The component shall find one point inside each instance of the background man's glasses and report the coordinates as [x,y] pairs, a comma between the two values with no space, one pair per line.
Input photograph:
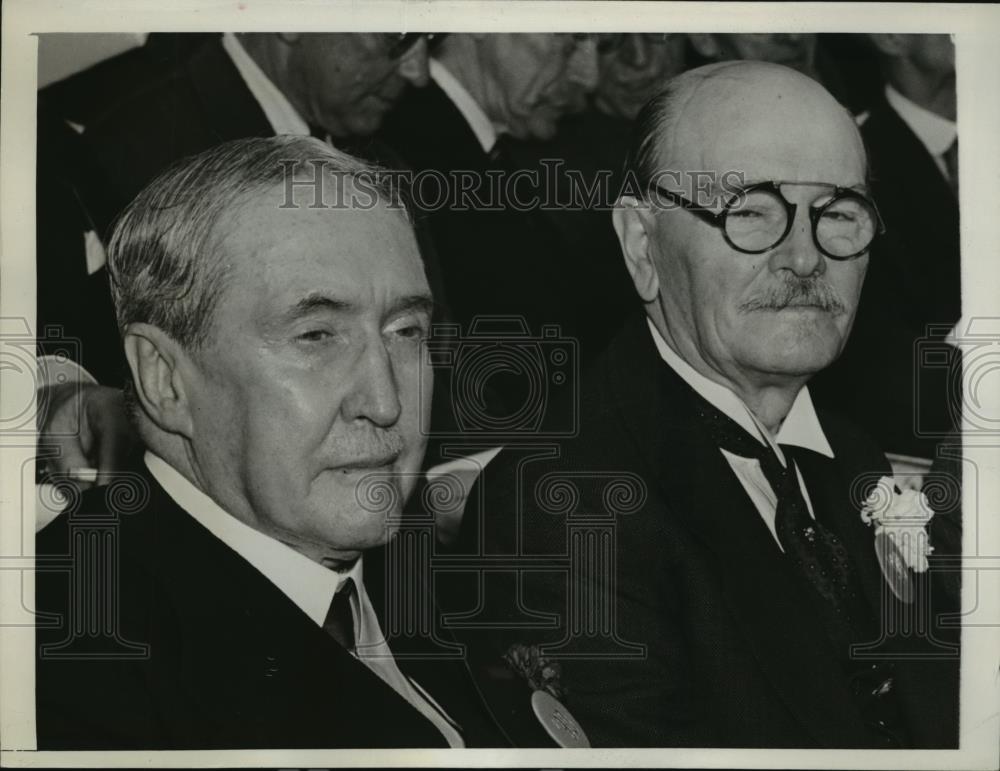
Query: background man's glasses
[758,217]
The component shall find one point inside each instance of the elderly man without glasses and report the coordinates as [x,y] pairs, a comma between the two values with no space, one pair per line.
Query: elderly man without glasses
[224,594]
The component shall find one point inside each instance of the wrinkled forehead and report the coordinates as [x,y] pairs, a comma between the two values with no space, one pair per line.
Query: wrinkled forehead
[772,126]
[342,231]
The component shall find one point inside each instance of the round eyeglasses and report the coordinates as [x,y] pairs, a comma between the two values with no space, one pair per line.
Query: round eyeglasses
[757,218]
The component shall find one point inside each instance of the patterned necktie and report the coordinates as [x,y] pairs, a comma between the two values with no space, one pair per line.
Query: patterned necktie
[951,165]
[339,623]
[815,552]
[821,559]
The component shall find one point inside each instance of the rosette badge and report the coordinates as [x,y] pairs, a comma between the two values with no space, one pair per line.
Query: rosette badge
[902,544]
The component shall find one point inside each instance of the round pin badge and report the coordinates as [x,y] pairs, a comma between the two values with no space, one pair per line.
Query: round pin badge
[894,568]
[557,721]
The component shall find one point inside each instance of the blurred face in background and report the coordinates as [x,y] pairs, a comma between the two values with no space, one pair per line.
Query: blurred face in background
[346,83]
[633,67]
[532,80]
[797,51]
[932,54]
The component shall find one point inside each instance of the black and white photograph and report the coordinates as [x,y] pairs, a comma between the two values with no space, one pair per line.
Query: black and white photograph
[576,382]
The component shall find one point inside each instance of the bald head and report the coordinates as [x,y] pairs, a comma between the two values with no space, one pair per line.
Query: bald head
[759,292]
[748,117]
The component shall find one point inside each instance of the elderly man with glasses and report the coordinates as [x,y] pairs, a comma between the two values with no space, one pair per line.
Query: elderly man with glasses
[697,565]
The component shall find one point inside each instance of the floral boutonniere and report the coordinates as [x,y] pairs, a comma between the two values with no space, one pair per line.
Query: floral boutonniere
[539,672]
[901,541]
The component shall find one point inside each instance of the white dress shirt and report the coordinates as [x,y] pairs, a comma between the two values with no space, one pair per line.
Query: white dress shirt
[484,129]
[306,583]
[277,109]
[800,428]
[934,132]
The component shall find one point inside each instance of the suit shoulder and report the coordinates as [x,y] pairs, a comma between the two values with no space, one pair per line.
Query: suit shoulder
[850,442]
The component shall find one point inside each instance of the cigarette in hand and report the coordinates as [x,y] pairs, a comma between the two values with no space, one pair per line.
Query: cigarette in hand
[82,474]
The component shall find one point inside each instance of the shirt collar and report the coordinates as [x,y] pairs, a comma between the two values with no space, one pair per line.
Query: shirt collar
[277,109]
[800,428]
[478,121]
[936,133]
[306,583]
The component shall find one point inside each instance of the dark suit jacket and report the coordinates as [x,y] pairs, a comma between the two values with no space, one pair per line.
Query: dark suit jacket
[633,555]
[140,112]
[501,261]
[180,111]
[913,284]
[200,650]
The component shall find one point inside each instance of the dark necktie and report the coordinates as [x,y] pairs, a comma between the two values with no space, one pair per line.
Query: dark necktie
[821,559]
[339,623]
[951,165]
[815,552]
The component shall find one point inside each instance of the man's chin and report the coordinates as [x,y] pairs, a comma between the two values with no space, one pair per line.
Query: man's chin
[795,351]
[798,361]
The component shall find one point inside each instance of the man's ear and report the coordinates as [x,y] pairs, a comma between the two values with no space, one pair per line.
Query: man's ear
[156,361]
[705,45]
[633,222]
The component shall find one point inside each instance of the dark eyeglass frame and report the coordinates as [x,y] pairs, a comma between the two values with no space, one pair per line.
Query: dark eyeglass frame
[406,40]
[718,219]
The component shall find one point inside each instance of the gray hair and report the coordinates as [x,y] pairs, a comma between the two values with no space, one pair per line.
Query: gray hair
[164,259]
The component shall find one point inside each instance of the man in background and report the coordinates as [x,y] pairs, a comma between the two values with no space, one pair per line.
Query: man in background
[497,257]
[913,292]
[106,132]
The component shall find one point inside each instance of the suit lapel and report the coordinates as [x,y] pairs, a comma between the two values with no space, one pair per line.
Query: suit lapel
[229,107]
[431,657]
[699,487]
[276,657]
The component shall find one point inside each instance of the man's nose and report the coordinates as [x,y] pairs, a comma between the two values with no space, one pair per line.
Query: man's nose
[375,393]
[413,64]
[582,68]
[798,252]
[636,51]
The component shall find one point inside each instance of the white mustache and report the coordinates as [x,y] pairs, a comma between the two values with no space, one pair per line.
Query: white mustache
[800,292]
[368,451]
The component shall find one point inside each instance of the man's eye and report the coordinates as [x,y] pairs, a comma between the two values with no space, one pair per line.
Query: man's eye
[314,336]
[838,216]
[746,214]
[410,331]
